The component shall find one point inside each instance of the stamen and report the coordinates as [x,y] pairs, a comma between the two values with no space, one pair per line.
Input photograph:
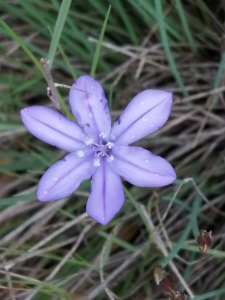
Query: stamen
[89,141]
[100,149]
[80,153]
[103,135]
[110,145]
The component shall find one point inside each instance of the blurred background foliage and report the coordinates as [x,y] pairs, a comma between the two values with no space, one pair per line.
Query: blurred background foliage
[53,250]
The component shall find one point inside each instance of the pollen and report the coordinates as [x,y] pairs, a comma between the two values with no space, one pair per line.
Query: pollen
[109,145]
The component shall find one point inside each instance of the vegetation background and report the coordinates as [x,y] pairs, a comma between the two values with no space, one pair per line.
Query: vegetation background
[54,250]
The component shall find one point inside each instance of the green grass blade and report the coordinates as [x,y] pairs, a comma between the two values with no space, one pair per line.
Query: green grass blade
[98,48]
[220,71]
[137,207]
[66,60]
[186,26]
[125,17]
[166,46]
[177,246]
[194,215]
[65,107]
[64,9]
[213,252]
[218,78]
[15,199]
[119,242]
[204,13]
[209,295]
[111,97]
[22,45]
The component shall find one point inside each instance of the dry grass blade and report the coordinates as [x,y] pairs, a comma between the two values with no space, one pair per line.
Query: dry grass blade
[54,249]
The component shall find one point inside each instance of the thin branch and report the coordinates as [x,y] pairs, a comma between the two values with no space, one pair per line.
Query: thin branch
[12,294]
[51,90]
[160,244]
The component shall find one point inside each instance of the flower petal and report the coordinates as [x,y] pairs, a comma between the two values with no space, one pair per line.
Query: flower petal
[145,114]
[90,107]
[53,128]
[141,167]
[107,195]
[65,176]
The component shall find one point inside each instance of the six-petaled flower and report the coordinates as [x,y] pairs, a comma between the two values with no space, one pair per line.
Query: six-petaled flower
[98,150]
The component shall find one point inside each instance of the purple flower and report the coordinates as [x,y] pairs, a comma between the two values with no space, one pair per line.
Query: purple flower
[98,150]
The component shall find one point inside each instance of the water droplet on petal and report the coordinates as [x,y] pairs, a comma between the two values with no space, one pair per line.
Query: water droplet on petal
[103,135]
[45,192]
[156,174]
[92,87]
[55,178]
[146,161]
[152,125]
[97,162]
[133,136]
[39,129]
[145,119]
[142,103]
[110,158]
[90,115]
[80,153]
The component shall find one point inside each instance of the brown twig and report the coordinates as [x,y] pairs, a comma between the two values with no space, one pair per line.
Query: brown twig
[160,244]
[51,89]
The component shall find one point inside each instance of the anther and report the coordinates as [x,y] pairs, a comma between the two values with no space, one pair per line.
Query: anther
[103,135]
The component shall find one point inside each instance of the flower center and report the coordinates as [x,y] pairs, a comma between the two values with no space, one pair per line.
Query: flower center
[100,149]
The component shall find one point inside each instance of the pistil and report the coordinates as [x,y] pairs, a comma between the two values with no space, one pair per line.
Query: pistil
[100,149]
